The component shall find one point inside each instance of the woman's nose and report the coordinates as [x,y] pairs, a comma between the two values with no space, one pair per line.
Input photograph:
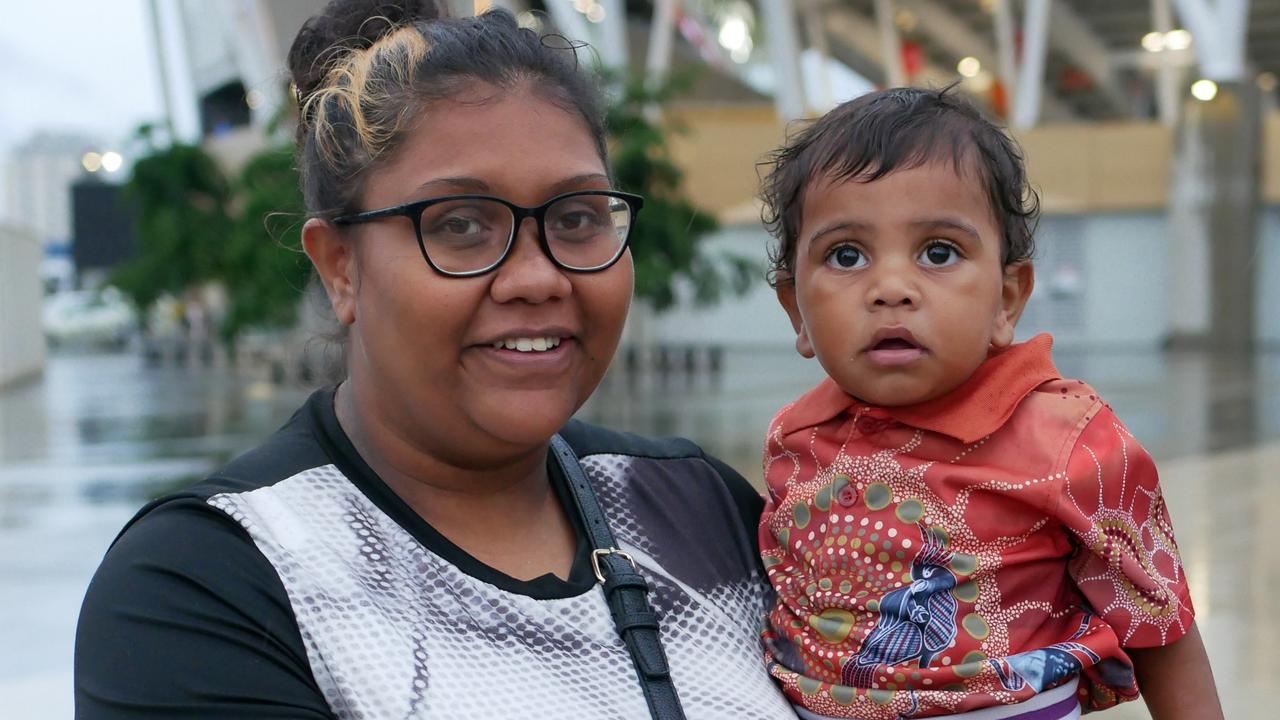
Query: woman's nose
[528,274]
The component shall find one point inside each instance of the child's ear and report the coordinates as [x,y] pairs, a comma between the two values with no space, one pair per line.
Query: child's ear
[786,290]
[1019,278]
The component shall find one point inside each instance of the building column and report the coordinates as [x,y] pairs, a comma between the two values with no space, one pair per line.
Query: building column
[1213,216]
[779,18]
[1035,46]
[1214,193]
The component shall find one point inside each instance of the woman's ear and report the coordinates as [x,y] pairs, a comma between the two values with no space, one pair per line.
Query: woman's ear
[335,262]
[1019,279]
[786,290]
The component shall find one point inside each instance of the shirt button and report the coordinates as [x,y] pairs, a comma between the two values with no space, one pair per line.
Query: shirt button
[847,497]
[870,425]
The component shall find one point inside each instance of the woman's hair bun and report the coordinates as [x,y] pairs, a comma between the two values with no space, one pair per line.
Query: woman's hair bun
[346,25]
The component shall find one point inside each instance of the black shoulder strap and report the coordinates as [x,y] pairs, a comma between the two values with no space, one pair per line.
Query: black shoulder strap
[625,590]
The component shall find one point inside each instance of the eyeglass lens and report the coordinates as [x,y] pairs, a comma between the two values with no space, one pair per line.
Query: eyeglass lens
[583,232]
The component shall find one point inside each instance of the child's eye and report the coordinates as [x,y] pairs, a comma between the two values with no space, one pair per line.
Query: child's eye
[940,254]
[845,257]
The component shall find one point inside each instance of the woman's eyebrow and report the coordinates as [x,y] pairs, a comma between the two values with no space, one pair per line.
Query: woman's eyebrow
[948,223]
[470,184]
[576,182]
[465,183]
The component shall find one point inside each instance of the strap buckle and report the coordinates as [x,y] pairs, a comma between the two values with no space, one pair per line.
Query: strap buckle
[601,552]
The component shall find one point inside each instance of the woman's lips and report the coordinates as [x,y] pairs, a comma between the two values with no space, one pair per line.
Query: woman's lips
[552,359]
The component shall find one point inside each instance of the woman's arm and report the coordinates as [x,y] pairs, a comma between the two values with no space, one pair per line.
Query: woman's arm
[186,619]
[1176,679]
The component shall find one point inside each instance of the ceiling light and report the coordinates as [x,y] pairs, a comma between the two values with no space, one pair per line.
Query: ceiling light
[1204,90]
[111,161]
[905,20]
[1177,39]
[733,34]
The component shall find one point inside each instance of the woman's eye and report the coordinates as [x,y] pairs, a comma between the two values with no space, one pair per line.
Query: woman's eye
[577,220]
[940,255]
[459,225]
[845,257]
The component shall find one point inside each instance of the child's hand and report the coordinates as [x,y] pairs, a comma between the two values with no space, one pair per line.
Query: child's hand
[1176,679]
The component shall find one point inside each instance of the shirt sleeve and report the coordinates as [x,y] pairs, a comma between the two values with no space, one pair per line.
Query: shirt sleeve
[186,619]
[1126,561]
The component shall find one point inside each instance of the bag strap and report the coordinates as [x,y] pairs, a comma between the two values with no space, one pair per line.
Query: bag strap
[625,590]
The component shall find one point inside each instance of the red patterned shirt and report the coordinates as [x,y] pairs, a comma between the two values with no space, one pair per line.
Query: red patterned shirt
[966,552]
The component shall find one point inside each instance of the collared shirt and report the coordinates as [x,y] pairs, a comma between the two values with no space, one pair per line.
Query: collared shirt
[965,552]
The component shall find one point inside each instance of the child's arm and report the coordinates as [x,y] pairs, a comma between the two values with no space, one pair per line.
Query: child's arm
[1176,680]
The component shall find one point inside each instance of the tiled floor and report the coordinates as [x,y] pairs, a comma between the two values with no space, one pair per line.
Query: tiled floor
[82,448]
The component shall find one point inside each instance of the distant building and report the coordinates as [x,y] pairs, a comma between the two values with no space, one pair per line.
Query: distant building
[235,53]
[38,175]
[22,353]
[38,178]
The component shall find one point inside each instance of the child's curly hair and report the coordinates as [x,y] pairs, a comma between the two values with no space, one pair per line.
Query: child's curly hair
[875,134]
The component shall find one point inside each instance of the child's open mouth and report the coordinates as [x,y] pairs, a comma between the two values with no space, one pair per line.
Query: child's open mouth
[894,346]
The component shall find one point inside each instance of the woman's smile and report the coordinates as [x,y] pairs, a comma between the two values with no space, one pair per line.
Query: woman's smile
[529,355]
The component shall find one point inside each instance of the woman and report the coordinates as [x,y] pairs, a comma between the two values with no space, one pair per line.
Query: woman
[406,546]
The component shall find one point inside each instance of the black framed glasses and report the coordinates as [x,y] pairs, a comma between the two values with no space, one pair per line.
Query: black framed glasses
[467,235]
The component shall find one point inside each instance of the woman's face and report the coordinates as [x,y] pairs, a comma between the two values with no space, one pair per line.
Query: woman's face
[423,345]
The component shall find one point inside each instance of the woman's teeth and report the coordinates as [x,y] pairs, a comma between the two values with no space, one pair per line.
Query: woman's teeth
[540,344]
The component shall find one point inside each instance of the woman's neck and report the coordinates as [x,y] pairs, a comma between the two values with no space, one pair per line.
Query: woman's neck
[496,511]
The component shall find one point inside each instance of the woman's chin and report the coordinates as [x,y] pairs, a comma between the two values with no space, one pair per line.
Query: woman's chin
[526,419]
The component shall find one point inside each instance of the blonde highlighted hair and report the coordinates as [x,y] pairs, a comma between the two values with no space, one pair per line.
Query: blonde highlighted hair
[364,69]
[363,89]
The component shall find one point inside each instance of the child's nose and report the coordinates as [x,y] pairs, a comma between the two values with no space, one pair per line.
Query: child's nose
[894,288]
[893,299]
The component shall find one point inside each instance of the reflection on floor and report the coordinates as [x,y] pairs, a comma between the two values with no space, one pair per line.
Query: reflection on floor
[82,448]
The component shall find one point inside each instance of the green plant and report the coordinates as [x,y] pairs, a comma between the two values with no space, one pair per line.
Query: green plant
[264,269]
[194,226]
[666,243]
[181,198]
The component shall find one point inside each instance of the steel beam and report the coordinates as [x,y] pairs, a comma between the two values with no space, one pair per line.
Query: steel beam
[957,38]
[1220,32]
[661,36]
[1004,47]
[1035,29]
[784,47]
[1166,74]
[571,23]
[613,35]
[1072,36]
[890,44]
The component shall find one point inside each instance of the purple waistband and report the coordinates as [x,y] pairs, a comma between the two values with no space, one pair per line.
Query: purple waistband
[1055,711]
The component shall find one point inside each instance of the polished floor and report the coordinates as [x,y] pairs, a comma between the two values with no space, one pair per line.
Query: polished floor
[84,446]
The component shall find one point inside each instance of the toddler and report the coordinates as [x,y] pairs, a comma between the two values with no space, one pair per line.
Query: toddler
[952,528]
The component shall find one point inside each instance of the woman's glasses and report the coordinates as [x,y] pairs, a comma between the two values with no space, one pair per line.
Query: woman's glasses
[467,235]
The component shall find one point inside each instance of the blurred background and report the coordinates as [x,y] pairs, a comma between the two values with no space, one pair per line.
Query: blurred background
[156,317]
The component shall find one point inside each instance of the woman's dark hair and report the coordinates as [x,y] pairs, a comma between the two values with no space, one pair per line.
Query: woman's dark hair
[875,134]
[364,69]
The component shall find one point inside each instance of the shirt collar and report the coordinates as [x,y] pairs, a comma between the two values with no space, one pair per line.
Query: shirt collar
[975,409]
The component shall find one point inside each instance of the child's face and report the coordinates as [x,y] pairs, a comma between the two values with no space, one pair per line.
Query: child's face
[899,287]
